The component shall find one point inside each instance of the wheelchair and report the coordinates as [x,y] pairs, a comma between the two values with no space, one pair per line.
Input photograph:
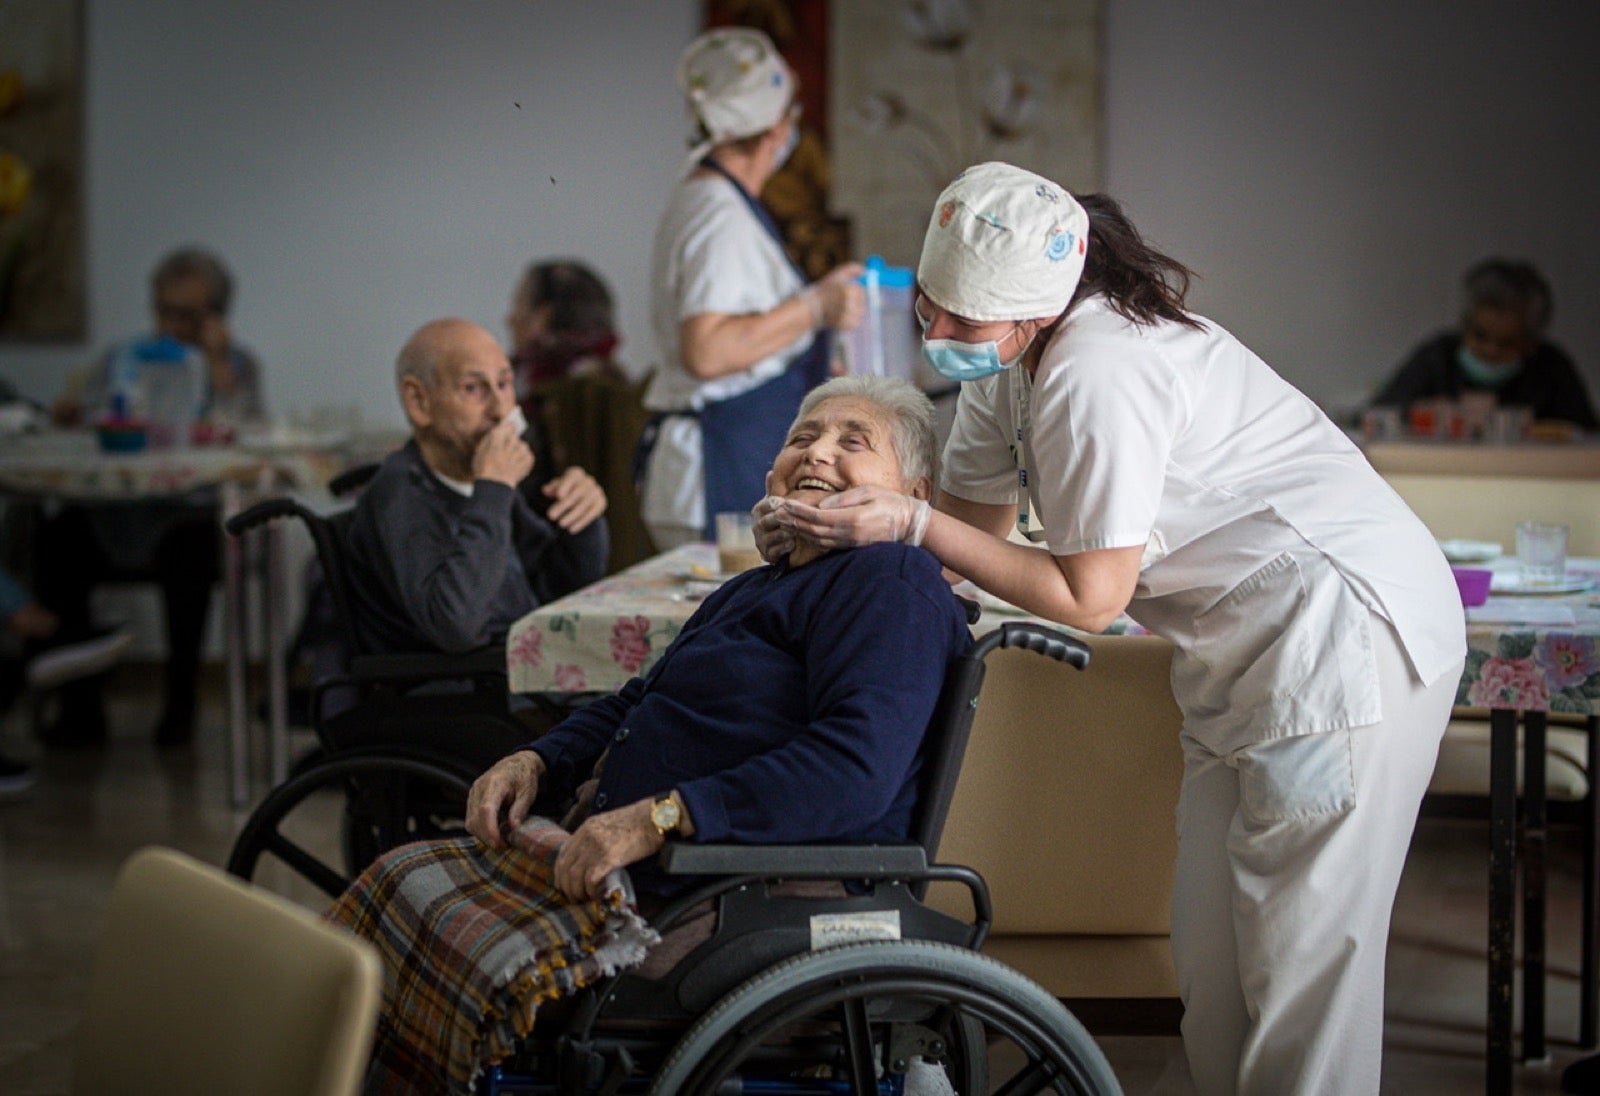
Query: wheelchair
[792,994]
[400,736]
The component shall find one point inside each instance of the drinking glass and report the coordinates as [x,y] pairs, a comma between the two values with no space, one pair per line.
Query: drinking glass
[1542,553]
[736,542]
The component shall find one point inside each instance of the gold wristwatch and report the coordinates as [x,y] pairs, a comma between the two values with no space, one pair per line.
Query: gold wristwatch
[665,814]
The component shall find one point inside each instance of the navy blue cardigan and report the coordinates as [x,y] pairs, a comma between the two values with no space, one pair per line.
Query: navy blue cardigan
[790,709]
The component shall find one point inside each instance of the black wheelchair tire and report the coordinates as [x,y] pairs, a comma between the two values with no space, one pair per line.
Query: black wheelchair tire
[262,833]
[1060,1056]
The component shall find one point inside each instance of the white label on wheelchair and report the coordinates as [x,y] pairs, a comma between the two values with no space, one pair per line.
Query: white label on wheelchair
[828,929]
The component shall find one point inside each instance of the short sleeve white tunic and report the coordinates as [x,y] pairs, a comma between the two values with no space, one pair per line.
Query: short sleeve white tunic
[1268,538]
[711,254]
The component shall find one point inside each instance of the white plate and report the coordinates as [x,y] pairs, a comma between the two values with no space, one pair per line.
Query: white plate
[1510,582]
[1470,551]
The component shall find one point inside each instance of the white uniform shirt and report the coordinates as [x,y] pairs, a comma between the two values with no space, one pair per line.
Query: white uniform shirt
[711,255]
[1267,536]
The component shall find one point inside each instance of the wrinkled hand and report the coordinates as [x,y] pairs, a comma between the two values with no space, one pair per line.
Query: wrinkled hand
[509,787]
[861,515]
[579,499]
[841,297]
[502,455]
[606,841]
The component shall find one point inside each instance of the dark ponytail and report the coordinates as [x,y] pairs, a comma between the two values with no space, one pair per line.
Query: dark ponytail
[1141,284]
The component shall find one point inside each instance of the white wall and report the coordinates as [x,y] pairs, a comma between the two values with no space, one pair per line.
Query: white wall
[1328,169]
[1331,169]
[368,165]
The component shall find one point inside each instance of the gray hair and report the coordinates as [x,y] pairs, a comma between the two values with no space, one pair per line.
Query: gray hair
[911,417]
[1509,286]
[190,262]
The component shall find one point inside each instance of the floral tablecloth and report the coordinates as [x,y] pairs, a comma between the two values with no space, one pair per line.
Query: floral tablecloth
[1536,653]
[602,635]
[612,630]
[70,464]
[1527,653]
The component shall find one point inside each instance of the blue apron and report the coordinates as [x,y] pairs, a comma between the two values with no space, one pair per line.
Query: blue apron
[740,436]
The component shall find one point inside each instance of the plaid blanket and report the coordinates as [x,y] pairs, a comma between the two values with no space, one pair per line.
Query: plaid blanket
[473,939]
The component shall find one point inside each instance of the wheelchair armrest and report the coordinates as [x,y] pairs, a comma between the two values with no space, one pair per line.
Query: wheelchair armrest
[795,861]
[428,666]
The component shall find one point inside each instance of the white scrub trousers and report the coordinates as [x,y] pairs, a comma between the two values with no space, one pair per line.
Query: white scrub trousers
[1289,854]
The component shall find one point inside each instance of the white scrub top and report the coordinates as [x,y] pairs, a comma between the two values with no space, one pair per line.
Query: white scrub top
[1268,538]
[711,255]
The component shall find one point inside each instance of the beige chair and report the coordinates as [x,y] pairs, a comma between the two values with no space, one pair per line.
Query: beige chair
[1066,805]
[206,984]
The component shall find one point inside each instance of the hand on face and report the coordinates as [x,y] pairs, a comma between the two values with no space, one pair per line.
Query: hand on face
[861,515]
[502,455]
[774,537]
[838,483]
[215,338]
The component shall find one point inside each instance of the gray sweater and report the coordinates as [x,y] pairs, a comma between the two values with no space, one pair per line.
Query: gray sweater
[432,569]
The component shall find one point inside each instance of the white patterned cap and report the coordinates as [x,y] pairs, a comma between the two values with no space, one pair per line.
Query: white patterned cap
[737,82]
[1003,244]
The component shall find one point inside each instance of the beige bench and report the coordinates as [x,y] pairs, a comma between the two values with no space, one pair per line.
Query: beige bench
[1066,805]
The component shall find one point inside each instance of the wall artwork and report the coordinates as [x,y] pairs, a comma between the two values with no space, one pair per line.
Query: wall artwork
[41,171]
[923,88]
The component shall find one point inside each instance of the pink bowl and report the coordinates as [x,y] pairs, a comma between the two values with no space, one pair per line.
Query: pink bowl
[1473,584]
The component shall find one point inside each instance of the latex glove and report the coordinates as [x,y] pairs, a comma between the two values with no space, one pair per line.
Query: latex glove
[861,515]
[774,539]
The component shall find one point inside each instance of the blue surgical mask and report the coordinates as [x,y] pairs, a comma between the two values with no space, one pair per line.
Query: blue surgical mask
[964,361]
[788,147]
[1481,372]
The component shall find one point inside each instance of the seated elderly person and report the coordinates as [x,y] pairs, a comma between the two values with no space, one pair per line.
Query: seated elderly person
[459,534]
[838,657]
[1499,352]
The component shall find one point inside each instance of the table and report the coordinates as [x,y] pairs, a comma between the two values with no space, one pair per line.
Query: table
[1526,657]
[1578,459]
[599,637]
[69,466]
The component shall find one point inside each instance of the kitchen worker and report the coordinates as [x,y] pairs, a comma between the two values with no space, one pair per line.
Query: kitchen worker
[742,336]
[1169,473]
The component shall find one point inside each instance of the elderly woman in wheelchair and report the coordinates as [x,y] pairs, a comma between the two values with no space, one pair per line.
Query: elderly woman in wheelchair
[774,787]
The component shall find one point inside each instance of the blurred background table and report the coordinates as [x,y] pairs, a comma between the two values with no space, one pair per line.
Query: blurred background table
[1578,459]
[51,468]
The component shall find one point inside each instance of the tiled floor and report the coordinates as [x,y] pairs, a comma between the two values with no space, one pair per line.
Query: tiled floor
[60,847]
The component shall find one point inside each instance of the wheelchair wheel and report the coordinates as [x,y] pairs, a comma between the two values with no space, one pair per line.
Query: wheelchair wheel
[852,1018]
[390,798]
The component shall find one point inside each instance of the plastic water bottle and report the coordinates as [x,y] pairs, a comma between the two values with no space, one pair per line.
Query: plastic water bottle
[885,341]
[168,382]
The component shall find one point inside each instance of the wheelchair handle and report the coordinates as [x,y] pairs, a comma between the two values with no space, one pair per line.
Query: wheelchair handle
[261,513]
[1040,639]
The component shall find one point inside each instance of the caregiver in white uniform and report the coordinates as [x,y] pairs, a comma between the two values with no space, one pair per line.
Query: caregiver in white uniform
[742,336]
[1172,475]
